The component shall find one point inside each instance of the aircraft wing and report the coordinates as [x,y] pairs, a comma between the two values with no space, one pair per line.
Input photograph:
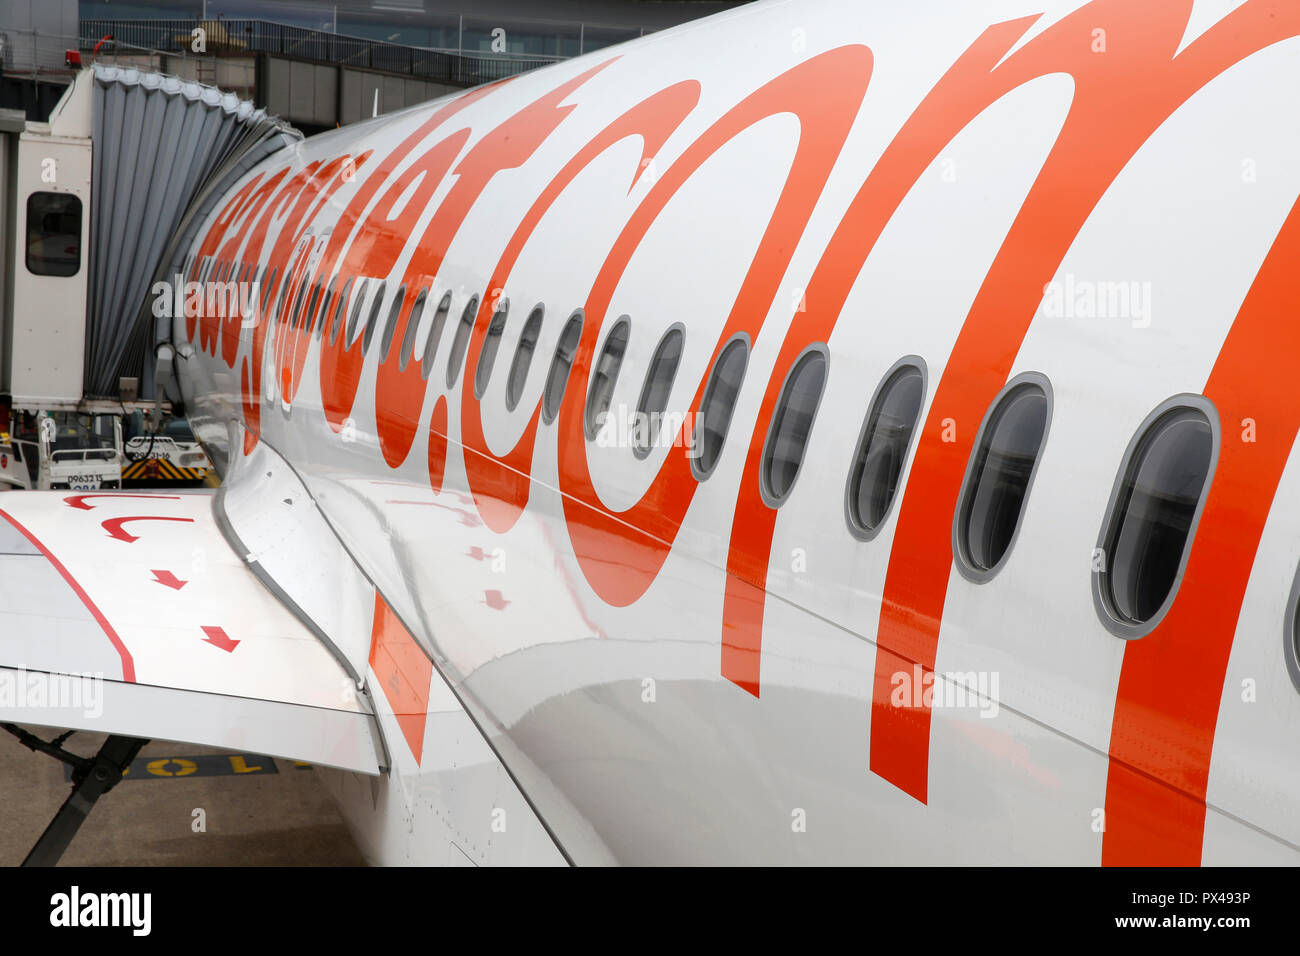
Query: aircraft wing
[130,614]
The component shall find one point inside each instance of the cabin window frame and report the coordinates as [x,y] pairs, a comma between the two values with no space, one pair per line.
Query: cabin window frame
[858,528]
[960,547]
[1106,537]
[536,321]
[764,463]
[642,452]
[490,349]
[591,427]
[437,326]
[460,340]
[710,387]
[549,414]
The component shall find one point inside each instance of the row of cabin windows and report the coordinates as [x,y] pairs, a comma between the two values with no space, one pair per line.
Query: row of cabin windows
[1145,536]
[1147,529]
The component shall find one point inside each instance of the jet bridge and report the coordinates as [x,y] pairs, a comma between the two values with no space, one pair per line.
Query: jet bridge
[95,204]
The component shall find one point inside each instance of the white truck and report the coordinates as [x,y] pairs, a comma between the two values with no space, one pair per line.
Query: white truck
[170,455]
[76,450]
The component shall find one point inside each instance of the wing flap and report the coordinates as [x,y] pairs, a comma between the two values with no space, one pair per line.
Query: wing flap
[141,595]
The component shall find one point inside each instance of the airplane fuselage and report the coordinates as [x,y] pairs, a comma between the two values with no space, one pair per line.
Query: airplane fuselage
[732,628]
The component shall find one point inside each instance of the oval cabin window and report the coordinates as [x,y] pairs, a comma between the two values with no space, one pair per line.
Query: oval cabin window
[557,379]
[412,328]
[487,358]
[327,306]
[787,439]
[340,305]
[460,342]
[886,438]
[390,325]
[1148,531]
[354,317]
[372,320]
[1291,634]
[606,375]
[717,405]
[312,301]
[435,334]
[524,357]
[656,390]
[997,482]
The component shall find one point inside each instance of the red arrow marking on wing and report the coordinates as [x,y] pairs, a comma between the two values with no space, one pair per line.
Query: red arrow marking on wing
[79,501]
[495,600]
[115,530]
[218,637]
[169,580]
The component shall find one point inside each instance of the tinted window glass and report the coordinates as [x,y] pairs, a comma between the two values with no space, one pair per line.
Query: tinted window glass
[279,301]
[491,344]
[412,325]
[654,393]
[354,317]
[461,341]
[267,285]
[718,404]
[1004,463]
[792,424]
[523,357]
[557,379]
[326,308]
[312,302]
[435,333]
[340,304]
[372,320]
[390,326]
[295,310]
[606,376]
[890,424]
[1290,633]
[53,234]
[1152,517]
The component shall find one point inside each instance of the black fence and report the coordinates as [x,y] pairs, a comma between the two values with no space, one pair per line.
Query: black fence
[244,37]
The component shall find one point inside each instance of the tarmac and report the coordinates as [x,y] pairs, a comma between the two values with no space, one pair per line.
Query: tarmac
[179,805]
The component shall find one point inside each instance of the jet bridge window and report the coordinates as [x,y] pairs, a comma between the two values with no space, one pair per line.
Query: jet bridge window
[882,448]
[717,405]
[1152,517]
[557,379]
[658,387]
[606,376]
[460,342]
[787,437]
[999,475]
[523,359]
[53,234]
[491,345]
[435,335]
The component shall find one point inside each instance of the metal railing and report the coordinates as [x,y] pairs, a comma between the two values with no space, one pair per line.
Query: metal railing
[228,38]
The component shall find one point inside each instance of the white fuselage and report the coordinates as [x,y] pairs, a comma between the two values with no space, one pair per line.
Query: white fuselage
[672,670]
